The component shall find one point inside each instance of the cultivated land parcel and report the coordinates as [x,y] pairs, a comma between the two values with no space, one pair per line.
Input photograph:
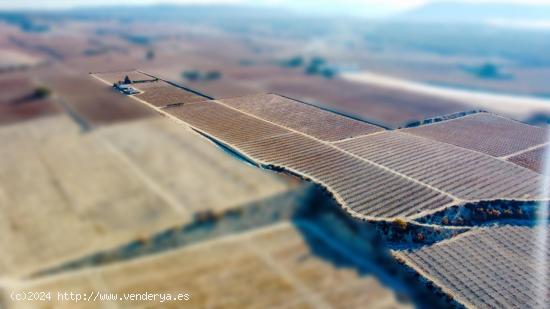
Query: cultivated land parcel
[360,163]
[424,190]
[463,166]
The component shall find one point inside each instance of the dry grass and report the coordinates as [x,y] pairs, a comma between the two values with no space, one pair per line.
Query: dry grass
[64,194]
[266,268]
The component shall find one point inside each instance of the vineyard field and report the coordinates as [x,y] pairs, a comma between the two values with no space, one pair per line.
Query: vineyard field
[361,186]
[484,132]
[486,267]
[532,159]
[301,117]
[161,93]
[463,173]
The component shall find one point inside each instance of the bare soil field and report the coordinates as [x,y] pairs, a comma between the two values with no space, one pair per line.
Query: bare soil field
[385,106]
[81,193]
[487,133]
[92,101]
[11,59]
[486,267]
[55,46]
[197,51]
[277,266]
[518,107]
[18,102]
[310,120]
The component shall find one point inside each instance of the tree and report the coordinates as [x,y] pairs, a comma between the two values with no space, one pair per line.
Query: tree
[41,92]
[328,73]
[488,70]
[213,75]
[293,62]
[191,75]
[150,55]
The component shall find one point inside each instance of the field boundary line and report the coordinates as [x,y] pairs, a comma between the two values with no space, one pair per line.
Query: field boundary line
[474,151]
[149,257]
[358,136]
[146,179]
[311,296]
[506,157]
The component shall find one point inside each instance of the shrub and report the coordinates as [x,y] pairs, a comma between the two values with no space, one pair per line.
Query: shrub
[400,224]
[205,216]
[150,54]
[193,75]
[328,73]
[419,237]
[213,75]
[41,92]
[293,62]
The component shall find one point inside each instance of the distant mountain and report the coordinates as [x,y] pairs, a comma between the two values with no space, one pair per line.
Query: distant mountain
[175,12]
[163,12]
[476,12]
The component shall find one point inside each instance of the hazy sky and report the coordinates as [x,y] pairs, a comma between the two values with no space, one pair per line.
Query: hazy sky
[369,7]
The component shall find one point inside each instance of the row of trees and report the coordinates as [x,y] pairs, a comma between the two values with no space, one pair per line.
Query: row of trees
[196,75]
[315,66]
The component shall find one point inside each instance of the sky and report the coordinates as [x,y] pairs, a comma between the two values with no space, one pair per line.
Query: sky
[366,7]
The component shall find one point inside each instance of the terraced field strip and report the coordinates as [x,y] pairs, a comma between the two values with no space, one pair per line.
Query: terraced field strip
[113,77]
[160,93]
[304,118]
[358,185]
[466,174]
[532,159]
[487,267]
[486,133]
